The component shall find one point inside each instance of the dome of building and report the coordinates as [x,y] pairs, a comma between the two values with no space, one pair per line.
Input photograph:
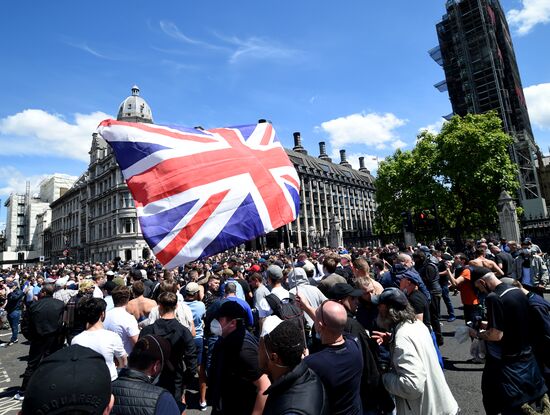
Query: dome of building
[135,109]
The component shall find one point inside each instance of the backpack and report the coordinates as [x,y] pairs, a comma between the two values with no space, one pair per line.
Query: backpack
[286,309]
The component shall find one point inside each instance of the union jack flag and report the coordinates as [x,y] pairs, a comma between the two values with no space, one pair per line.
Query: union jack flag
[200,192]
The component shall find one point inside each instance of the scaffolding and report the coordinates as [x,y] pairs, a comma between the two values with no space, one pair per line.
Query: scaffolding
[481,74]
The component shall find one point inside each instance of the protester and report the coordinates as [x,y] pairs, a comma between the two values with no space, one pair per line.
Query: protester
[295,388]
[183,355]
[105,342]
[45,332]
[120,321]
[140,306]
[134,390]
[530,269]
[414,377]
[74,322]
[73,380]
[511,377]
[235,381]
[14,309]
[340,363]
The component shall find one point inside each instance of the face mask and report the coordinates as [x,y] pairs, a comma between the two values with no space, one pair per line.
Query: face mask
[405,291]
[216,328]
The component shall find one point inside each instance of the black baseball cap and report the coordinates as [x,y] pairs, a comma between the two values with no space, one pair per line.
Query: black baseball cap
[231,309]
[343,290]
[74,378]
[392,297]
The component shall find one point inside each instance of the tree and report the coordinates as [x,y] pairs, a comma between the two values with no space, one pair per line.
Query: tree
[462,170]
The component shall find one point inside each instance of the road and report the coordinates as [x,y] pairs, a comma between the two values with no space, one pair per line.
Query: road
[463,377]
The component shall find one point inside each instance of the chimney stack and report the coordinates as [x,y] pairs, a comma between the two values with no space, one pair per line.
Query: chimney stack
[323,151]
[298,143]
[362,167]
[343,161]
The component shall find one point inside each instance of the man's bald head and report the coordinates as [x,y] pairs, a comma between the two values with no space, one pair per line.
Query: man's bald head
[404,259]
[332,316]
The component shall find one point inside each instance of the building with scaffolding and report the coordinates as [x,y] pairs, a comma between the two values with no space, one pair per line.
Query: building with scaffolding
[481,74]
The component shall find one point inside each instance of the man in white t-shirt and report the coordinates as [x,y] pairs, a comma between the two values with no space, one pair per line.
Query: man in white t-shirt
[120,321]
[104,342]
[274,278]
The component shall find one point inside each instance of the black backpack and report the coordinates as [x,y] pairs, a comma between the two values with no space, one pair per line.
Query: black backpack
[286,309]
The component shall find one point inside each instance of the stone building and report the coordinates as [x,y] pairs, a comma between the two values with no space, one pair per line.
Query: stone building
[27,216]
[96,219]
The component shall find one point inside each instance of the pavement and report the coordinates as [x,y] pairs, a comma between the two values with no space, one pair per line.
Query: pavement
[463,377]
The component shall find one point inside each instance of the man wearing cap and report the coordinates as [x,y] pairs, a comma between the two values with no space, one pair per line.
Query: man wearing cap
[511,376]
[45,320]
[134,390]
[236,383]
[530,269]
[58,385]
[340,363]
[295,388]
[414,377]
[275,279]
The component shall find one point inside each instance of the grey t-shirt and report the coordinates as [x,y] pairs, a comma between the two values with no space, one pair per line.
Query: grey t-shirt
[260,293]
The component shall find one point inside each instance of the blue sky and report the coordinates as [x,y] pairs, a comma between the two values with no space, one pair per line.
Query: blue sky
[355,74]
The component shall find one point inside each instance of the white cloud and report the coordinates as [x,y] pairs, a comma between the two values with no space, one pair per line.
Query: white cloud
[258,49]
[13,180]
[434,128]
[37,132]
[371,129]
[532,13]
[538,103]
[398,144]
[238,49]
[170,29]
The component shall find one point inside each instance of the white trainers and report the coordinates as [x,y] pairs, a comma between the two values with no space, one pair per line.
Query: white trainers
[202,406]
[19,397]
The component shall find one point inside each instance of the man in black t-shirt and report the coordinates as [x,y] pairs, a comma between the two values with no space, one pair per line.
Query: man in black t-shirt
[340,363]
[418,301]
[236,383]
[503,259]
[511,376]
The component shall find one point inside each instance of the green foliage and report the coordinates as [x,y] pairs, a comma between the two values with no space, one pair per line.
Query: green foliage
[463,170]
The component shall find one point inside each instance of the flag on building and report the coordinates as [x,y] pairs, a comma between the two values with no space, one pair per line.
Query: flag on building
[200,192]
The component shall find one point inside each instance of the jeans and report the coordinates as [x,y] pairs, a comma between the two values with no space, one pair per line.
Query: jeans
[447,300]
[13,319]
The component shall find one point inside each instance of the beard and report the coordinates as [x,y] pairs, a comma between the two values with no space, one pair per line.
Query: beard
[384,322]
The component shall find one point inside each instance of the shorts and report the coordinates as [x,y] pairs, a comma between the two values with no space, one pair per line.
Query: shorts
[198,345]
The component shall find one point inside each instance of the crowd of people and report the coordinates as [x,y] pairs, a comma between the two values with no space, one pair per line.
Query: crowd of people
[326,331]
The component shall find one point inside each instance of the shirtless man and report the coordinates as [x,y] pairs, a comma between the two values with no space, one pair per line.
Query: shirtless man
[140,306]
[481,261]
